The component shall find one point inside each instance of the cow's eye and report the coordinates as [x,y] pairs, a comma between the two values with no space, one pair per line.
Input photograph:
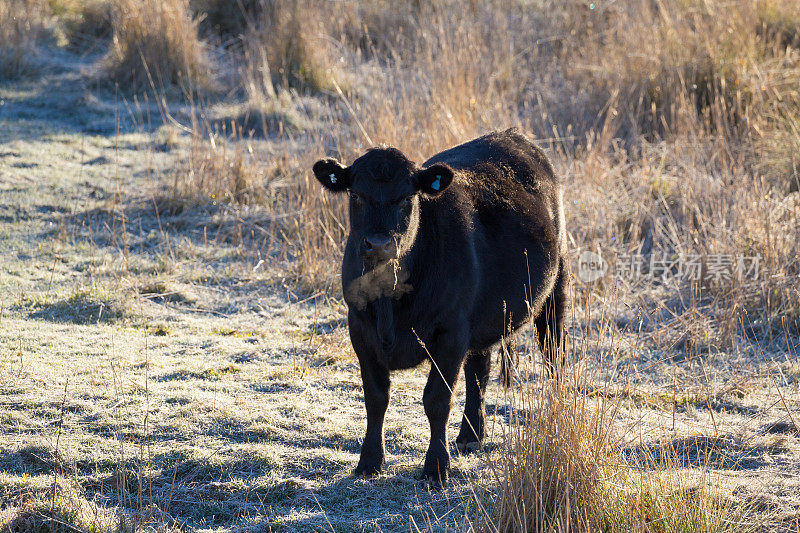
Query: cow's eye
[356,198]
[408,199]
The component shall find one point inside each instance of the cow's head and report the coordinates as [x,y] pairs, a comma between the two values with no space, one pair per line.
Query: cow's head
[384,186]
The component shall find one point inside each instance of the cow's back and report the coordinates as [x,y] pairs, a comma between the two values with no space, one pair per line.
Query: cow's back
[517,227]
[509,149]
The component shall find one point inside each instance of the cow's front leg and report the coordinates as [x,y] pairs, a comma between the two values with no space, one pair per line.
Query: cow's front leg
[445,366]
[375,378]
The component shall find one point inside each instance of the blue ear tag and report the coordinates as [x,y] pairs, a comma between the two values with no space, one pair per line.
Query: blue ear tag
[436,183]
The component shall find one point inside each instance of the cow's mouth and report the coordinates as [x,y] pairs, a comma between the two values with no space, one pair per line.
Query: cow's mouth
[369,263]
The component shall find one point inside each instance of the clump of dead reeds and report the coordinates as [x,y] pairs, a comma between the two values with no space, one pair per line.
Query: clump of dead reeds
[286,39]
[560,469]
[86,23]
[156,45]
[561,466]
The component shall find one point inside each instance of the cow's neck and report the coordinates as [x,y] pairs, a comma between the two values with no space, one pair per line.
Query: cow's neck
[384,322]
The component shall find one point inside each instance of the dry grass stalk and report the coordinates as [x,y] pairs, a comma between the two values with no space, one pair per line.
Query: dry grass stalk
[86,23]
[288,38]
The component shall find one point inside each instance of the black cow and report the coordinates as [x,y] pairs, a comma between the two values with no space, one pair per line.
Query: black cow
[441,261]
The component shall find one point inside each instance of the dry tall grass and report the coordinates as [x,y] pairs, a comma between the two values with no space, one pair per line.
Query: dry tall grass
[24,26]
[289,37]
[682,143]
[675,124]
[156,45]
[562,466]
[561,470]
[86,23]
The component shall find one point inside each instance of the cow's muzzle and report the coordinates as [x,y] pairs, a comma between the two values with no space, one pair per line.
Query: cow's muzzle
[378,249]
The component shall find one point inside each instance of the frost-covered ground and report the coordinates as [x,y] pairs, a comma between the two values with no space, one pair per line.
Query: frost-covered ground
[152,365]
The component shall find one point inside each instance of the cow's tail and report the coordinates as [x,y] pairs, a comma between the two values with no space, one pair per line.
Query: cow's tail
[508,360]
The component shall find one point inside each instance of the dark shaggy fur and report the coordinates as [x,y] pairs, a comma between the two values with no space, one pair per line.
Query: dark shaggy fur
[441,261]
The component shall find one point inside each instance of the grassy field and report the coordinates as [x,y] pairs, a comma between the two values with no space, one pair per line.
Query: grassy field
[173,341]
[151,366]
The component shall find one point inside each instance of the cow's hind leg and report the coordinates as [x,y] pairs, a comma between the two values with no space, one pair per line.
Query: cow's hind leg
[550,324]
[508,360]
[473,424]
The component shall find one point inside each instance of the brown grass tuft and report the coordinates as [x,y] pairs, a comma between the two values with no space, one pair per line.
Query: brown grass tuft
[682,145]
[562,467]
[24,26]
[156,45]
[287,40]
[86,24]
[226,18]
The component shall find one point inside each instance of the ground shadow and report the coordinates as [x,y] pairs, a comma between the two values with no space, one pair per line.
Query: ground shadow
[80,308]
[256,124]
[718,453]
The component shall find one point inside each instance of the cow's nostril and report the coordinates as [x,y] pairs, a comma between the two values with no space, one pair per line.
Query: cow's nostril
[378,247]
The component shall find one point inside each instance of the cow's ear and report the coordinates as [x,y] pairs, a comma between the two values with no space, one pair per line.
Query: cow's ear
[434,179]
[332,175]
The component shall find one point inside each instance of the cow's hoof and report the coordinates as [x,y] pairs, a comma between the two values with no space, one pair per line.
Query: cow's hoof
[368,470]
[465,448]
[435,480]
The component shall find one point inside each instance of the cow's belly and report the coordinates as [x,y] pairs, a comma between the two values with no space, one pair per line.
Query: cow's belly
[514,283]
